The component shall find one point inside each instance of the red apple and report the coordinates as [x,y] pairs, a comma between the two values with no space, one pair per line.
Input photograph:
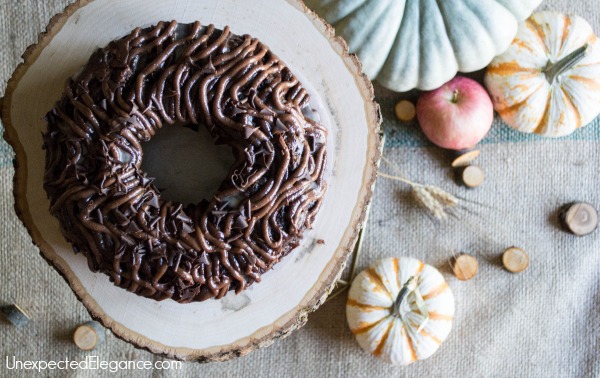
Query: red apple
[457,115]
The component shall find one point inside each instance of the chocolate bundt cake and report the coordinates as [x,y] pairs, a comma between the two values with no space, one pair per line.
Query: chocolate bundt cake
[195,76]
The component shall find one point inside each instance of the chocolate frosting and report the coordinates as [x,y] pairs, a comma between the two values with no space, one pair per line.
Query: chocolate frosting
[167,74]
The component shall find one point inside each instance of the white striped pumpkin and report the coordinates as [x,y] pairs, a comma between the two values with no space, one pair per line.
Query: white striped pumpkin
[548,81]
[400,331]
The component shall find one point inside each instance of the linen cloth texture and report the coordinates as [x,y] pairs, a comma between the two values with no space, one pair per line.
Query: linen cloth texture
[544,322]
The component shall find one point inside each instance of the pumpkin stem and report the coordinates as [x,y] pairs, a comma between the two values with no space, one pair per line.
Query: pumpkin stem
[411,287]
[553,70]
[407,288]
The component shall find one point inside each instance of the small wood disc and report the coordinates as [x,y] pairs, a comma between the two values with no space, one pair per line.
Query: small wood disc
[515,260]
[464,159]
[16,315]
[465,267]
[88,336]
[472,176]
[580,218]
[405,111]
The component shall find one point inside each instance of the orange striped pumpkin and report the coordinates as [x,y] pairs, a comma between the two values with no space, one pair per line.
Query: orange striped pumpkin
[548,81]
[400,310]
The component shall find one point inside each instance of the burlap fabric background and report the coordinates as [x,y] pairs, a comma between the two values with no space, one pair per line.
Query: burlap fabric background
[544,322]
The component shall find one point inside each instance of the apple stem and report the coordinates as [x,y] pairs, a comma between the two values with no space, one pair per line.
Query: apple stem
[455,96]
[553,70]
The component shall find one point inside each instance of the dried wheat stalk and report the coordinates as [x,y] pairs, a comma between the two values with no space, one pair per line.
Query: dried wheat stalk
[430,197]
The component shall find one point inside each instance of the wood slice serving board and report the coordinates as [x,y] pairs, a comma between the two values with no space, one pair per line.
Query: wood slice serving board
[237,324]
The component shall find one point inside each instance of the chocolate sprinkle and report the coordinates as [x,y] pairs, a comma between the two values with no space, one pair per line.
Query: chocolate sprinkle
[192,75]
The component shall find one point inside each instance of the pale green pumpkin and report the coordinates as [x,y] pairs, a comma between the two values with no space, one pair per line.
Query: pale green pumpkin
[406,44]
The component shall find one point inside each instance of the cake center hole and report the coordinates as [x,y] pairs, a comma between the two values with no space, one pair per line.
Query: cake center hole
[186,164]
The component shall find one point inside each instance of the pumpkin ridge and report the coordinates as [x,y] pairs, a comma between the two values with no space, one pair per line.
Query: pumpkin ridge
[514,108]
[569,102]
[409,343]
[424,333]
[502,5]
[366,328]
[374,278]
[386,334]
[437,316]
[432,337]
[420,269]
[511,68]
[418,272]
[450,34]
[546,114]
[589,83]
[396,265]
[436,291]
[365,307]
[446,29]
[477,19]
[340,17]
[368,27]
[523,45]
[565,32]
[591,64]
[592,40]
[420,39]
[538,31]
